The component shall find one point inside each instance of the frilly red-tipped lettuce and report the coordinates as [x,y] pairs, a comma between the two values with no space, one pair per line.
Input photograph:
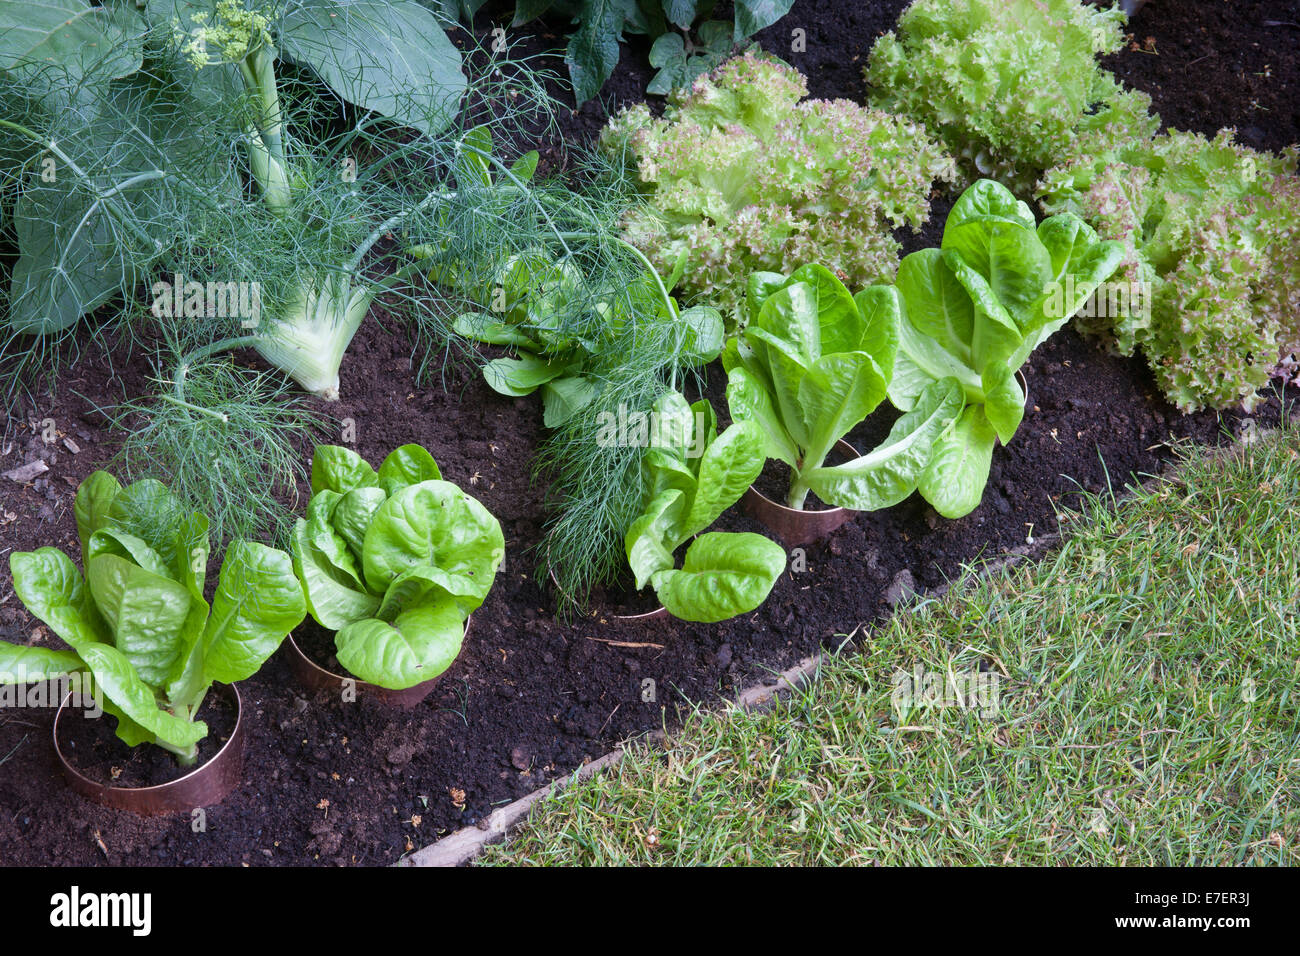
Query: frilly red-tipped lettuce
[1211,230]
[1007,85]
[740,176]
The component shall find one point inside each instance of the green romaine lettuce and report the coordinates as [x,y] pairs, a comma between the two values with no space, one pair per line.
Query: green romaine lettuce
[973,311]
[692,475]
[138,623]
[814,361]
[393,561]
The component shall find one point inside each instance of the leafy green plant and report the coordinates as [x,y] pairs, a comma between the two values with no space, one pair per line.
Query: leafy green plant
[596,488]
[454,10]
[1009,86]
[546,359]
[812,362]
[1211,232]
[681,58]
[739,176]
[378,209]
[394,561]
[532,293]
[685,43]
[352,206]
[974,309]
[107,208]
[138,622]
[692,475]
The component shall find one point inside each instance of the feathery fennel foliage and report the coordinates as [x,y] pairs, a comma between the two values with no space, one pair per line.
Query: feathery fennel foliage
[235,438]
[634,349]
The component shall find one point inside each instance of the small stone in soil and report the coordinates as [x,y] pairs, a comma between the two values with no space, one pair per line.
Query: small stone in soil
[25,473]
[401,755]
[521,758]
[902,586]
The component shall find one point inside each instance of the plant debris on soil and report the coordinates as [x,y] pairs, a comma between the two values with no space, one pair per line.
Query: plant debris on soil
[532,696]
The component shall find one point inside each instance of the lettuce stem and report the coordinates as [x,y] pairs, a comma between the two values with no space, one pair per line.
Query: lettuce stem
[185,756]
[798,493]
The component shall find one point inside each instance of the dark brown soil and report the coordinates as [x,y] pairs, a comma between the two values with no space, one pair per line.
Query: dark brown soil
[95,751]
[1209,65]
[317,645]
[836,41]
[531,698]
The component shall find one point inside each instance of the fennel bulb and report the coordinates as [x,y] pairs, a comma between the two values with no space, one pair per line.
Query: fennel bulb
[308,339]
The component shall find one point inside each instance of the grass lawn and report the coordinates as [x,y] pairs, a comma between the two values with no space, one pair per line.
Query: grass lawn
[1137,705]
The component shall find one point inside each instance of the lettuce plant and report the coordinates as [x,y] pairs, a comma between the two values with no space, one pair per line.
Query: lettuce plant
[692,475]
[740,176]
[529,298]
[811,363]
[974,310]
[138,622]
[394,561]
[1008,85]
[1211,232]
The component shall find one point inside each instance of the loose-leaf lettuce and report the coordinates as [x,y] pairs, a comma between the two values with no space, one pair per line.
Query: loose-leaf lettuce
[743,174]
[1211,272]
[1009,86]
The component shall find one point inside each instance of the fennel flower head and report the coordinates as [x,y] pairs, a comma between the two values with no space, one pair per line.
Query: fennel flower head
[234,33]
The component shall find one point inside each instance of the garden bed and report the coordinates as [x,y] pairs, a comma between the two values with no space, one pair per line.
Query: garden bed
[532,697]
